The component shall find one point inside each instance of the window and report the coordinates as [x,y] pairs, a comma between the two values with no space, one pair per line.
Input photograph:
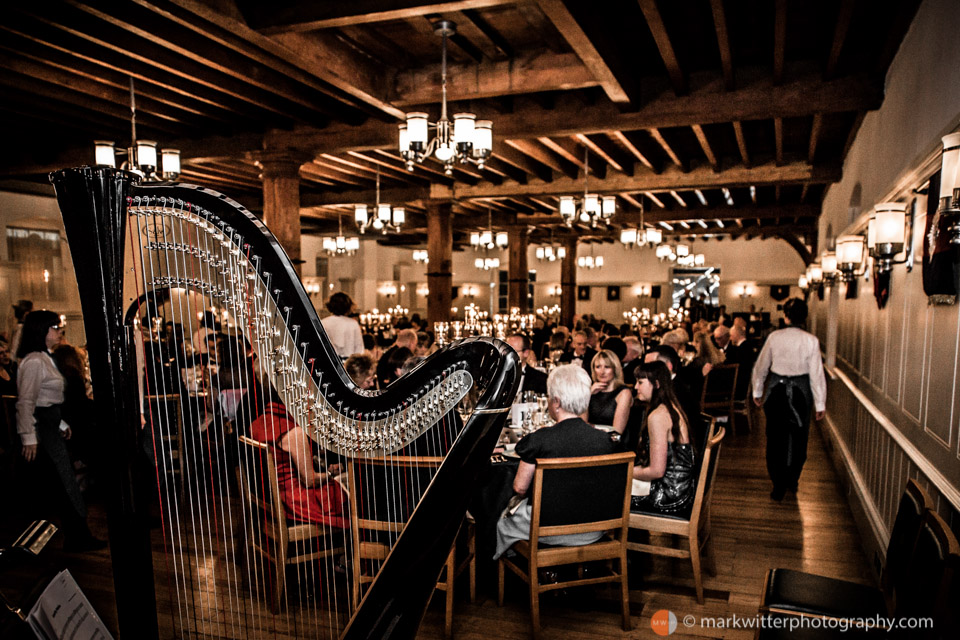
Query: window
[37,251]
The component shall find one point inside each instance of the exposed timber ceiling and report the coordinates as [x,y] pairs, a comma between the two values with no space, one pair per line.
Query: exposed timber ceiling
[716,117]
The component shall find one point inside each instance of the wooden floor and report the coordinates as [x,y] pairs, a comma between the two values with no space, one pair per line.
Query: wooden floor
[812,531]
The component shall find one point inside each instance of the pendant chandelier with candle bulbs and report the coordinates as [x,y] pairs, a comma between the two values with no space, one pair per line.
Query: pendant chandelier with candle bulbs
[385,218]
[486,241]
[551,252]
[592,209]
[141,156]
[640,236]
[341,245]
[591,261]
[464,140]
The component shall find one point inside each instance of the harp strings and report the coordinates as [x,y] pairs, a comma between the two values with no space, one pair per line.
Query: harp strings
[217,584]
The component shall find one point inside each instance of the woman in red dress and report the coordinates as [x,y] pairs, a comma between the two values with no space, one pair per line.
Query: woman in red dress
[308,495]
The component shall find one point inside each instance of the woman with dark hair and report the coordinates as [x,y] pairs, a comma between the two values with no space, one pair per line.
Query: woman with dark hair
[666,458]
[787,381]
[394,365]
[344,332]
[40,388]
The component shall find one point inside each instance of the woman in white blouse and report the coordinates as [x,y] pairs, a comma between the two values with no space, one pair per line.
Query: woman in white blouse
[42,433]
[788,381]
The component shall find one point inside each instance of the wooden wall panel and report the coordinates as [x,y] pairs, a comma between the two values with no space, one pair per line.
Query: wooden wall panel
[895,310]
[914,352]
[940,374]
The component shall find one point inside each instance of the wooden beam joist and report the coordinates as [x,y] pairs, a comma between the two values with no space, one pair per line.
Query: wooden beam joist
[705,145]
[529,73]
[660,35]
[558,13]
[720,213]
[723,43]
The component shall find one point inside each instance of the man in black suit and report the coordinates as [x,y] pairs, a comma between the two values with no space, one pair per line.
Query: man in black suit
[405,338]
[530,378]
[740,350]
[579,352]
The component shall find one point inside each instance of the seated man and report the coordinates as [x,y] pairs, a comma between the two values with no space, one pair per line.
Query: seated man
[568,390]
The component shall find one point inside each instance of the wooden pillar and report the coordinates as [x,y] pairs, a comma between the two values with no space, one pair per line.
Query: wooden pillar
[568,282]
[440,252]
[519,271]
[280,173]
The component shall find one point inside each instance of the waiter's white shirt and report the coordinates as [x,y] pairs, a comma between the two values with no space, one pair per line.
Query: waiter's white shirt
[345,335]
[792,352]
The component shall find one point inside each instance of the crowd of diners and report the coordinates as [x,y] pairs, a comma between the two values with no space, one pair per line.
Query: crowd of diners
[644,385]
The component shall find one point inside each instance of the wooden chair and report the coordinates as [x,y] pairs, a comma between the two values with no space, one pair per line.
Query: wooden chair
[603,504]
[280,541]
[717,398]
[694,525]
[410,475]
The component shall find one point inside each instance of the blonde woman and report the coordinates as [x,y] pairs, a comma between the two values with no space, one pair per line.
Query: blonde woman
[708,356]
[610,398]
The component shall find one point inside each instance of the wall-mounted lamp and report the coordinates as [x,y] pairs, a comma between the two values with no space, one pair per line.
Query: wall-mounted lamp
[950,186]
[814,274]
[746,291]
[420,256]
[850,257]
[641,290]
[803,283]
[423,290]
[469,291]
[889,230]
[554,290]
[387,289]
[828,266]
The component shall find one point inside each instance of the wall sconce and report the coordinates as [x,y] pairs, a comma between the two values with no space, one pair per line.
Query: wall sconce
[423,290]
[803,284]
[814,274]
[889,231]
[554,291]
[850,257]
[641,290]
[469,291]
[312,287]
[828,266]
[746,291]
[420,256]
[950,186]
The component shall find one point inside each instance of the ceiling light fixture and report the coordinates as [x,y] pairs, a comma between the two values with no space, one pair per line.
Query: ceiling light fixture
[591,261]
[420,256]
[592,208]
[340,245]
[384,216]
[141,155]
[466,139]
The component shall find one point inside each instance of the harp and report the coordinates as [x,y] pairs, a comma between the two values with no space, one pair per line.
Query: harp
[142,252]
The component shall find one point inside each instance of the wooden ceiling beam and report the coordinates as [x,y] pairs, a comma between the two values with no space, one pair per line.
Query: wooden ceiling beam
[779,40]
[723,43]
[705,145]
[573,152]
[839,37]
[313,16]
[662,38]
[741,143]
[658,137]
[802,97]
[815,129]
[531,72]
[545,156]
[778,140]
[610,152]
[496,39]
[626,140]
[522,161]
[558,13]
[722,213]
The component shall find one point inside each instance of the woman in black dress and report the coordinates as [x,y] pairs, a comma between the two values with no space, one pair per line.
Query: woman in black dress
[610,398]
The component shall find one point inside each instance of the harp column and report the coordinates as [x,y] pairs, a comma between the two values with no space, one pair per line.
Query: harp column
[519,274]
[568,282]
[280,173]
[440,252]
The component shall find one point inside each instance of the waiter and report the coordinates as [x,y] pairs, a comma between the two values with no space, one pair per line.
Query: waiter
[789,375]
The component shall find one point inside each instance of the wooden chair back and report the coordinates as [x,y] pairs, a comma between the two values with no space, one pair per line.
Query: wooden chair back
[929,569]
[600,505]
[261,489]
[914,502]
[718,389]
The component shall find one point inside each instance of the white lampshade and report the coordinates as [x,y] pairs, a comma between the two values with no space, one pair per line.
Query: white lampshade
[483,136]
[404,138]
[502,239]
[699,260]
[353,243]
[582,261]
[417,130]
[591,203]
[478,263]
[170,163]
[399,216]
[608,206]
[891,223]
[850,250]
[495,263]
[828,263]
[567,207]
[146,154]
[360,214]
[383,213]
[444,151]
[104,153]
[802,282]
[950,165]
[598,261]
[871,234]
[486,238]
[654,236]
[683,250]
[474,238]
[463,128]
[663,251]
[540,253]
[341,243]
[815,273]
[561,253]
[628,236]
[329,244]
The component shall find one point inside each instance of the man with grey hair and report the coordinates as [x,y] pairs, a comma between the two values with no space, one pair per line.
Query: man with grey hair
[632,359]
[568,390]
[405,338]
[721,337]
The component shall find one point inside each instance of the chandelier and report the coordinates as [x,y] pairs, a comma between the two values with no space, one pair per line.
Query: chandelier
[464,140]
[385,218]
[631,237]
[486,264]
[487,239]
[592,208]
[420,256]
[141,155]
[551,252]
[340,245]
[591,261]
